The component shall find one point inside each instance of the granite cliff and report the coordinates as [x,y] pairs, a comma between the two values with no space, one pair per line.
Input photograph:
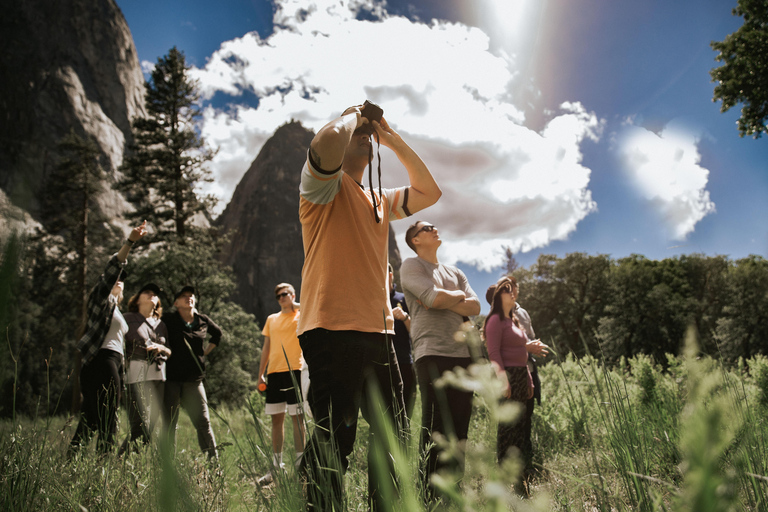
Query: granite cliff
[65,64]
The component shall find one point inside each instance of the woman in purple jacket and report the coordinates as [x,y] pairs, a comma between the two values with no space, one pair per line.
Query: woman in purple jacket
[508,348]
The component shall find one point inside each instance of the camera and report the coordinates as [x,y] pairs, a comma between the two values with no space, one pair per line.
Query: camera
[372,112]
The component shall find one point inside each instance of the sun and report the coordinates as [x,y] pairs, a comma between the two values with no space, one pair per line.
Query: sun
[509,23]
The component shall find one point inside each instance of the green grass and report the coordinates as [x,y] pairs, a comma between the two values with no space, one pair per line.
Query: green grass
[691,438]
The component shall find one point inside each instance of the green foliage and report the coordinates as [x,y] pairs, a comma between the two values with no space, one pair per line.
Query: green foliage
[167,163]
[43,325]
[742,329]
[708,430]
[565,298]
[759,370]
[52,278]
[173,265]
[619,308]
[643,371]
[744,73]
[234,365]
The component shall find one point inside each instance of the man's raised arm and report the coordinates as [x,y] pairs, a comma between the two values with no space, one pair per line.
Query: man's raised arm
[329,145]
[424,190]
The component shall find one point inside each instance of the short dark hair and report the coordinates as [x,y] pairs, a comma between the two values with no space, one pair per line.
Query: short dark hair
[410,233]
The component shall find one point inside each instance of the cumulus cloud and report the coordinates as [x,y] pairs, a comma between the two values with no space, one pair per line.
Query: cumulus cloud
[442,88]
[665,169]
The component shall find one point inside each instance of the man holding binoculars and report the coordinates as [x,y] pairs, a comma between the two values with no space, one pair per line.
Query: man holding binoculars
[344,294]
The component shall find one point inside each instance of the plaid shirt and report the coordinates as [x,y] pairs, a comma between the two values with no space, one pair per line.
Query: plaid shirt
[100,311]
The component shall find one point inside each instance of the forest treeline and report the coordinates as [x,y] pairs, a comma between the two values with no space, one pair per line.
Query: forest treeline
[634,305]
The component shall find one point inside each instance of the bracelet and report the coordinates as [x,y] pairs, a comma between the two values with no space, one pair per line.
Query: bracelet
[129,241]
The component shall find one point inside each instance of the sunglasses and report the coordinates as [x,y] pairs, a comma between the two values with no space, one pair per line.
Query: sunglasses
[428,228]
[281,295]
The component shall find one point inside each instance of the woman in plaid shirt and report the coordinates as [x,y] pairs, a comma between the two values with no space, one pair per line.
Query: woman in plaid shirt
[102,351]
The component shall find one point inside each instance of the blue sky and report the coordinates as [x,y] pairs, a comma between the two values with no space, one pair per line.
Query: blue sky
[553,126]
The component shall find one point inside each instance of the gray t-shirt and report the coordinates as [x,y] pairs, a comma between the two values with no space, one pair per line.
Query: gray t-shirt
[525,321]
[432,330]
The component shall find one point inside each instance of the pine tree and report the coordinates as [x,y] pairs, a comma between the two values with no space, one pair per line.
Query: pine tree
[167,164]
[70,205]
[72,215]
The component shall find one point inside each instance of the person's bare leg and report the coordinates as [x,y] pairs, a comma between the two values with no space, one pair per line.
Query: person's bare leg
[278,436]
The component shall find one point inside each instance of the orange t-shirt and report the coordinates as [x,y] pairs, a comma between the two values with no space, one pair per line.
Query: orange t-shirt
[281,329]
[344,279]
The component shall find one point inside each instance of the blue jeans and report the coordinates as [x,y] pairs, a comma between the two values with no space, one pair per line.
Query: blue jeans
[345,367]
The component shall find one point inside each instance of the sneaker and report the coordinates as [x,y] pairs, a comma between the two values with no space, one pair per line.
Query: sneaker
[266,479]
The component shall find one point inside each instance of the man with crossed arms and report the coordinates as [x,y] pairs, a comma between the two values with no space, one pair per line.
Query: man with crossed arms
[440,300]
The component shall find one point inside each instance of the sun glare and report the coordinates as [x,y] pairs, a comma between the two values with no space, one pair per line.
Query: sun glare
[508,22]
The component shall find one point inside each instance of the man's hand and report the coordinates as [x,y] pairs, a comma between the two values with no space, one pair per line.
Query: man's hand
[399,314]
[387,135]
[357,110]
[537,348]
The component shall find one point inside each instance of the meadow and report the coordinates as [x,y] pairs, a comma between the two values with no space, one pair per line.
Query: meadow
[688,435]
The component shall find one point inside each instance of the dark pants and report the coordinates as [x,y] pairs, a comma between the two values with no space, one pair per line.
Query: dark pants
[444,410]
[527,447]
[408,375]
[191,397]
[345,367]
[513,435]
[101,384]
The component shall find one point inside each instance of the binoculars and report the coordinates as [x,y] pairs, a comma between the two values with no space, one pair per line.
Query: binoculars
[372,112]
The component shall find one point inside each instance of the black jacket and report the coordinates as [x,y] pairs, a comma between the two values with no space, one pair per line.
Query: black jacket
[187,362]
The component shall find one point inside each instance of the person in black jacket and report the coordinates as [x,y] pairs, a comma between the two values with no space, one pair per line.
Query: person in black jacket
[187,330]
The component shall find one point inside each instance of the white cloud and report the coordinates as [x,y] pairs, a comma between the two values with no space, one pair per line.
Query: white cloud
[441,87]
[665,169]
